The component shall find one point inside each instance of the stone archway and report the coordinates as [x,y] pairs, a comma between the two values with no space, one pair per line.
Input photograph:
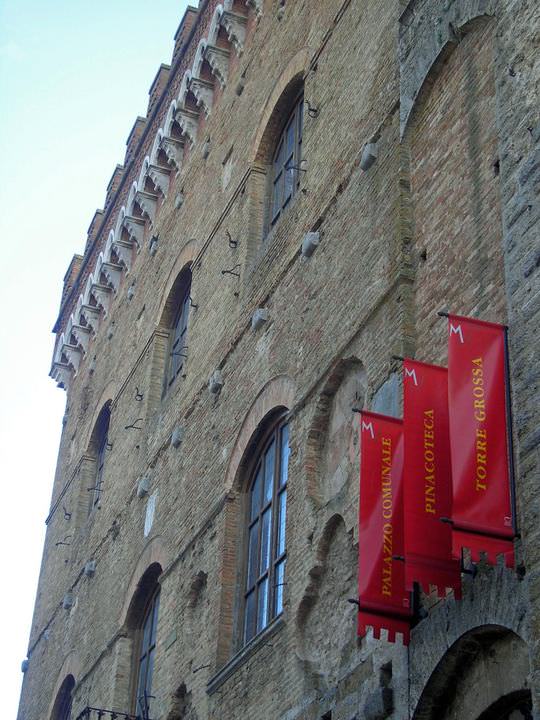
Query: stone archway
[482,676]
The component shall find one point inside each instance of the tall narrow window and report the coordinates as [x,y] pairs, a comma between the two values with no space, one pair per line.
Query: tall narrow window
[266,556]
[286,161]
[146,656]
[179,328]
[64,700]
[99,441]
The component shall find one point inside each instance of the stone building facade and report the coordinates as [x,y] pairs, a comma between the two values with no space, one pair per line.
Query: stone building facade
[313,181]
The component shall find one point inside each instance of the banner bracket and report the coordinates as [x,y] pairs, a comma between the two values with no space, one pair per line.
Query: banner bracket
[442,313]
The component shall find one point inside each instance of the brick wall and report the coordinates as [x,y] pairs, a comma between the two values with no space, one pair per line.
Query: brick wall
[439,221]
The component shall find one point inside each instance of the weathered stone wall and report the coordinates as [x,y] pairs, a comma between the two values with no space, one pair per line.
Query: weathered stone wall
[445,218]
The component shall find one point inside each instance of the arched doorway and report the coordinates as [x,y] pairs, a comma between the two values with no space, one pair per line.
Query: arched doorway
[482,676]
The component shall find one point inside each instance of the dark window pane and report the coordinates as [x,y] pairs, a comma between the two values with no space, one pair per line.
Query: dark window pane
[278,193]
[279,580]
[179,328]
[154,621]
[262,609]
[249,617]
[290,174]
[146,634]
[279,155]
[269,460]
[284,454]
[141,682]
[256,494]
[266,540]
[147,652]
[282,509]
[253,556]
[287,155]
[291,129]
[149,673]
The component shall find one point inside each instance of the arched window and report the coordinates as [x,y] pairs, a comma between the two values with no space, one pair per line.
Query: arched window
[99,449]
[64,700]
[178,328]
[145,655]
[265,531]
[286,160]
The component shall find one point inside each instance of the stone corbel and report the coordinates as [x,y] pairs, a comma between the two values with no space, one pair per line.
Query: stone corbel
[235,27]
[62,374]
[91,314]
[135,229]
[174,150]
[147,202]
[82,336]
[203,92]
[124,250]
[73,354]
[188,121]
[102,294]
[160,176]
[255,5]
[218,59]
[113,273]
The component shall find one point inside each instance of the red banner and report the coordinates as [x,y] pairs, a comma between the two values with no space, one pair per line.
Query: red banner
[479,435]
[384,602]
[428,480]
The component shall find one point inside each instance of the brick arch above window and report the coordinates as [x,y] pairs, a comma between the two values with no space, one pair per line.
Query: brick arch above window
[185,259]
[283,94]
[280,392]
[71,667]
[152,561]
[108,396]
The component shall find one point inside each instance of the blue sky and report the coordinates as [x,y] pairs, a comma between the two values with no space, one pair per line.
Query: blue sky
[74,76]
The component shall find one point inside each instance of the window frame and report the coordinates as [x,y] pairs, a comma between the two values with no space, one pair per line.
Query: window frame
[270,574]
[65,702]
[142,650]
[101,442]
[178,333]
[292,158]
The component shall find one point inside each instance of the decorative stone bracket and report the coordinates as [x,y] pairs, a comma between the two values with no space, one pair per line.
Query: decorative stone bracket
[135,229]
[113,273]
[174,150]
[91,314]
[82,336]
[124,251]
[188,120]
[73,354]
[147,202]
[218,59]
[102,295]
[235,27]
[160,176]
[62,374]
[203,92]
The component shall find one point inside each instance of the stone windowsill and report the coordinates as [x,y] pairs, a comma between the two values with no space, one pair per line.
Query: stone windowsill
[244,655]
